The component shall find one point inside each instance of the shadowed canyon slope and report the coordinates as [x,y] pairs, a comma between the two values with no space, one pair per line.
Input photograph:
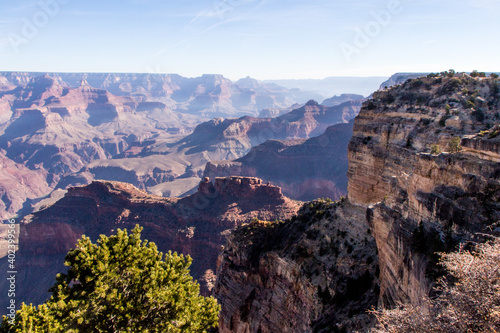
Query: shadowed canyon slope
[194,225]
[313,273]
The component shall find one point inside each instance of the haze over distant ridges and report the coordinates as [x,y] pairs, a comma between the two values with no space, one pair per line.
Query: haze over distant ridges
[335,85]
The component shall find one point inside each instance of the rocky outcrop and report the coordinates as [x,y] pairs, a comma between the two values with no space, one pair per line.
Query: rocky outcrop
[423,193]
[194,225]
[400,78]
[313,273]
[304,169]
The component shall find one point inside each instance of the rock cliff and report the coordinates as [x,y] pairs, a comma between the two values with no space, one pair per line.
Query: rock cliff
[313,273]
[194,225]
[425,191]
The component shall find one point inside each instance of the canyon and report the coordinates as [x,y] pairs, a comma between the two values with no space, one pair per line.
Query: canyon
[62,130]
[305,169]
[422,177]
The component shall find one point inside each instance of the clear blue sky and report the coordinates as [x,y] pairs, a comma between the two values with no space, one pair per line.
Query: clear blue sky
[265,39]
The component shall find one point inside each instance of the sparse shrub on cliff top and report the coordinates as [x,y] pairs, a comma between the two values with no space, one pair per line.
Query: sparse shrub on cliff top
[454,145]
[471,304]
[470,105]
[435,150]
[442,121]
[371,106]
[120,284]
[475,73]
[479,114]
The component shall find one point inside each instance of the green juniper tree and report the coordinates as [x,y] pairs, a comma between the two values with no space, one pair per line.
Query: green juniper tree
[120,284]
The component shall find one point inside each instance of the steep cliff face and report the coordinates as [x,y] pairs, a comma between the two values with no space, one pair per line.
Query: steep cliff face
[195,225]
[419,200]
[313,273]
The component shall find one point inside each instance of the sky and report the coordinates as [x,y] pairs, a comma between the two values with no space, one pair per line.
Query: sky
[264,39]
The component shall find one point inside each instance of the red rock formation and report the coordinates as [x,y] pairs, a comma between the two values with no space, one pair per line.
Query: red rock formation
[18,184]
[195,225]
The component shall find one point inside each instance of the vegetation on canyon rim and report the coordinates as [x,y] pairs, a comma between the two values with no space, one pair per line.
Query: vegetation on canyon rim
[120,284]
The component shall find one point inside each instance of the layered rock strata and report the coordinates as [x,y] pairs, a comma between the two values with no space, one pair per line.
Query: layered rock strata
[304,169]
[424,159]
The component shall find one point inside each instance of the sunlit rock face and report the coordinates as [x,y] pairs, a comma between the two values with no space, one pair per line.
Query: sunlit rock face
[393,173]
